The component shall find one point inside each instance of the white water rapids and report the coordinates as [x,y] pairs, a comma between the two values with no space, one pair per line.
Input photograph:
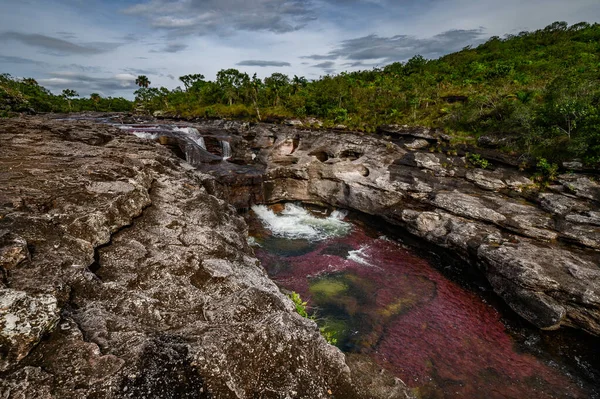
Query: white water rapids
[295,222]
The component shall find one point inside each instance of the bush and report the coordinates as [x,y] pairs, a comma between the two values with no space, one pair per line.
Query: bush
[478,161]
[302,311]
[545,171]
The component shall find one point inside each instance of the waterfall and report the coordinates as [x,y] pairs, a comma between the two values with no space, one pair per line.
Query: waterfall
[295,223]
[226,147]
[193,134]
[200,142]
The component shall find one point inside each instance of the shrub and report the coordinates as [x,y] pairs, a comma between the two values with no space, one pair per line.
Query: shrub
[302,311]
[478,161]
[545,171]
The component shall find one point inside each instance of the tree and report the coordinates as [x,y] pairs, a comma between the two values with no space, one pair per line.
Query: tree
[255,86]
[276,83]
[298,83]
[193,80]
[231,81]
[142,81]
[30,82]
[95,98]
[68,94]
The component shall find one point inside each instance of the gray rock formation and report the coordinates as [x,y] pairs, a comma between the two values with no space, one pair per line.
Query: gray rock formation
[537,249]
[124,278]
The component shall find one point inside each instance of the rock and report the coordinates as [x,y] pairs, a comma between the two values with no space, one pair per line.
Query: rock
[583,187]
[24,320]
[293,122]
[139,281]
[573,165]
[417,144]
[558,204]
[486,217]
[487,180]
[13,250]
[412,131]
[314,122]
[488,141]
[467,206]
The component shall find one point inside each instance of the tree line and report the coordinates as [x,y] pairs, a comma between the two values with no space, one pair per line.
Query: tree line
[26,95]
[538,92]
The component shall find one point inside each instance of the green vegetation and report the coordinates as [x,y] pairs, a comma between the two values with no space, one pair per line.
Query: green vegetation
[326,332]
[537,92]
[541,90]
[26,95]
[545,172]
[478,161]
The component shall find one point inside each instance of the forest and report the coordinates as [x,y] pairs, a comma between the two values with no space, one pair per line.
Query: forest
[28,96]
[537,93]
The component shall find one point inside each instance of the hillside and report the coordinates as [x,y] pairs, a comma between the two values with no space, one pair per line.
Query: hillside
[535,93]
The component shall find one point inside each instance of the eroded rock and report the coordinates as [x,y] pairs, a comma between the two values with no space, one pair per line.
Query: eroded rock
[138,282]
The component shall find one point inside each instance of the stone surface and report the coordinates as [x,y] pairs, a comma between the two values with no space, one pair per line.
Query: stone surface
[137,282]
[533,247]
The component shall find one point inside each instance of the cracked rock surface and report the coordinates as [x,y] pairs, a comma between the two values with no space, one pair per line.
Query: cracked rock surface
[123,278]
[538,249]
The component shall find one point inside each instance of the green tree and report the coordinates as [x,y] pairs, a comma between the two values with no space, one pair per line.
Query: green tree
[231,81]
[276,83]
[68,95]
[193,80]
[142,81]
[95,99]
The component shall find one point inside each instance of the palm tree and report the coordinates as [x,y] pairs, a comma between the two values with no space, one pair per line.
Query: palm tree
[142,81]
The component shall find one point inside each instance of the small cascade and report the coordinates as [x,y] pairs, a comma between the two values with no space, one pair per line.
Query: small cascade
[193,134]
[145,135]
[295,222]
[200,142]
[226,147]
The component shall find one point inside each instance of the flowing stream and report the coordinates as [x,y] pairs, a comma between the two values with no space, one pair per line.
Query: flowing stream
[381,298]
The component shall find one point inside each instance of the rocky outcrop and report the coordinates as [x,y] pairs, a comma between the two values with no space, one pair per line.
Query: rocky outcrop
[537,249]
[124,278]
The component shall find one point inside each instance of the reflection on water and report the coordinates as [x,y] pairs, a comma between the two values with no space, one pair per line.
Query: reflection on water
[383,300]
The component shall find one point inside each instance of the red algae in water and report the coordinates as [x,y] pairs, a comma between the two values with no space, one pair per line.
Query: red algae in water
[433,334]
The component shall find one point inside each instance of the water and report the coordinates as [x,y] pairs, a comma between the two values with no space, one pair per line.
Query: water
[193,134]
[145,135]
[295,222]
[382,299]
[226,147]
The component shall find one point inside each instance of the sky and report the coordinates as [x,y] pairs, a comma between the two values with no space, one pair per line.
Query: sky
[102,46]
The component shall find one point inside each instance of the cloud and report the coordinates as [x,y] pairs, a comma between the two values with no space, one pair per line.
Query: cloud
[327,66]
[140,71]
[83,68]
[203,17]
[6,59]
[66,35]
[86,84]
[261,63]
[400,47]
[171,48]
[318,57]
[58,46]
